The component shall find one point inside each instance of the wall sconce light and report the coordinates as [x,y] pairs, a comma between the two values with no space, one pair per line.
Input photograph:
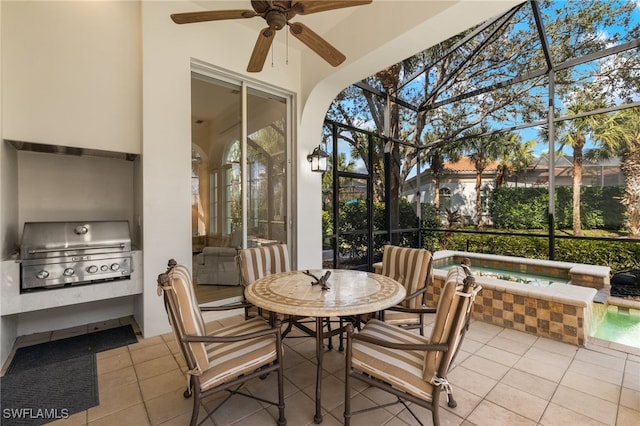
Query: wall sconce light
[318,159]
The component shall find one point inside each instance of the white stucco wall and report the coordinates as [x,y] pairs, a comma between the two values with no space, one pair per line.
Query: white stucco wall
[167,55]
[71,74]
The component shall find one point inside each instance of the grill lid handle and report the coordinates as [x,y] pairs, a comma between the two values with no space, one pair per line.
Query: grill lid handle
[103,246]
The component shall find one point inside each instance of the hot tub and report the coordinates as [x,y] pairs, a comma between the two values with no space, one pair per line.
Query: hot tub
[560,310]
[556,272]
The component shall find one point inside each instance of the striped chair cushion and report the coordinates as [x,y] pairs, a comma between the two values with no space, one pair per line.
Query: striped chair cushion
[219,362]
[444,322]
[407,370]
[408,266]
[402,369]
[397,317]
[230,360]
[189,312]
[258,262]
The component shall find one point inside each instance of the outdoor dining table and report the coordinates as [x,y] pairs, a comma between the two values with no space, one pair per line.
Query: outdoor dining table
[345,293]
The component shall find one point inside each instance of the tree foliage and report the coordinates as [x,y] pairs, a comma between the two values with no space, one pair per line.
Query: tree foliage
[618,135]
[473,82]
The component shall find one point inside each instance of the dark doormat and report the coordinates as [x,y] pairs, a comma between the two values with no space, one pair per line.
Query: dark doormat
[44,394]
[57,379]
[47,353]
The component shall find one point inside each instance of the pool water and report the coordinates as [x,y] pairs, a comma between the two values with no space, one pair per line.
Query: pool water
[620,327]
[526,278]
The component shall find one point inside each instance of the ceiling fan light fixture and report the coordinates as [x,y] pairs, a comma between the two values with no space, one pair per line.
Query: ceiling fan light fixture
[276,19]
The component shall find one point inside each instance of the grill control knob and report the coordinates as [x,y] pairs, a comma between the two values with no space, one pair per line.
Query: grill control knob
[115,266]
[92,269]
[81,229]
[42,275]
[104,268]
[68,272]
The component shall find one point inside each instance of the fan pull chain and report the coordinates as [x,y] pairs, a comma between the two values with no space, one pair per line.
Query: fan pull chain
[272,49]
[287,42]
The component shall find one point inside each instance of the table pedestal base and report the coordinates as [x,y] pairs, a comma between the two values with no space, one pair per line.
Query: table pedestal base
[320,335]
[351,293]
[319,354]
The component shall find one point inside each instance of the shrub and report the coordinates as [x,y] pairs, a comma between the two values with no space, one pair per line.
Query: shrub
[527,208]
[618,255]
[519,208]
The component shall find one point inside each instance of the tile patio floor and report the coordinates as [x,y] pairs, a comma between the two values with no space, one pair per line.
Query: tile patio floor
[501,377]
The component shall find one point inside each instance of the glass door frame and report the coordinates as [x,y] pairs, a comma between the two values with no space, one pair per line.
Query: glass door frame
[207,70]
[368,230]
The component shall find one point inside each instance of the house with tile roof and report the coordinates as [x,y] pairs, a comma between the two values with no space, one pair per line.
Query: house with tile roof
[457,185]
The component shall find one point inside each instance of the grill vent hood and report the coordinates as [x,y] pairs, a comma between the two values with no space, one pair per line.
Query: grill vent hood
[68,150]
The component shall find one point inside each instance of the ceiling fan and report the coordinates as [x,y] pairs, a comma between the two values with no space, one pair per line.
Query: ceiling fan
[277,14]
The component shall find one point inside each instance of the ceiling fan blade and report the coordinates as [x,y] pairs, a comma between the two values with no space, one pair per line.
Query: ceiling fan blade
[211,15]
[260,50]
[307,7]
[317,44]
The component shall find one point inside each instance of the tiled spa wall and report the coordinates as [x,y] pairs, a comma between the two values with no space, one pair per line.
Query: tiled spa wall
[556,320]
[561,314]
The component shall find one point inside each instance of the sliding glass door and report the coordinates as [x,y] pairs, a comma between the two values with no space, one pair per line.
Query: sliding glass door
[240,160]
[266,169]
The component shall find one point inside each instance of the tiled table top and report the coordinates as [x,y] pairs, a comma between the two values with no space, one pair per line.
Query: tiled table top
[350,293]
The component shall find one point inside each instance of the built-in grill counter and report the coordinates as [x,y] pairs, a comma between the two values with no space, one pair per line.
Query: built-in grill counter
[60,277]
[71,269]
[58,254]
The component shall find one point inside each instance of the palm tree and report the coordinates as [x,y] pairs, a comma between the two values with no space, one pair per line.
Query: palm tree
[436,165]
[514,156]
[436,158]
[482,151]
[619,136]
[575,135]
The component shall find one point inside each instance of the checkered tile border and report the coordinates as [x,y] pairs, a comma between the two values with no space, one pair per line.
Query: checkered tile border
[555,320]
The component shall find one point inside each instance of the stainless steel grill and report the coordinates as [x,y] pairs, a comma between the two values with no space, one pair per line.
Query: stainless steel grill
[55,254]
